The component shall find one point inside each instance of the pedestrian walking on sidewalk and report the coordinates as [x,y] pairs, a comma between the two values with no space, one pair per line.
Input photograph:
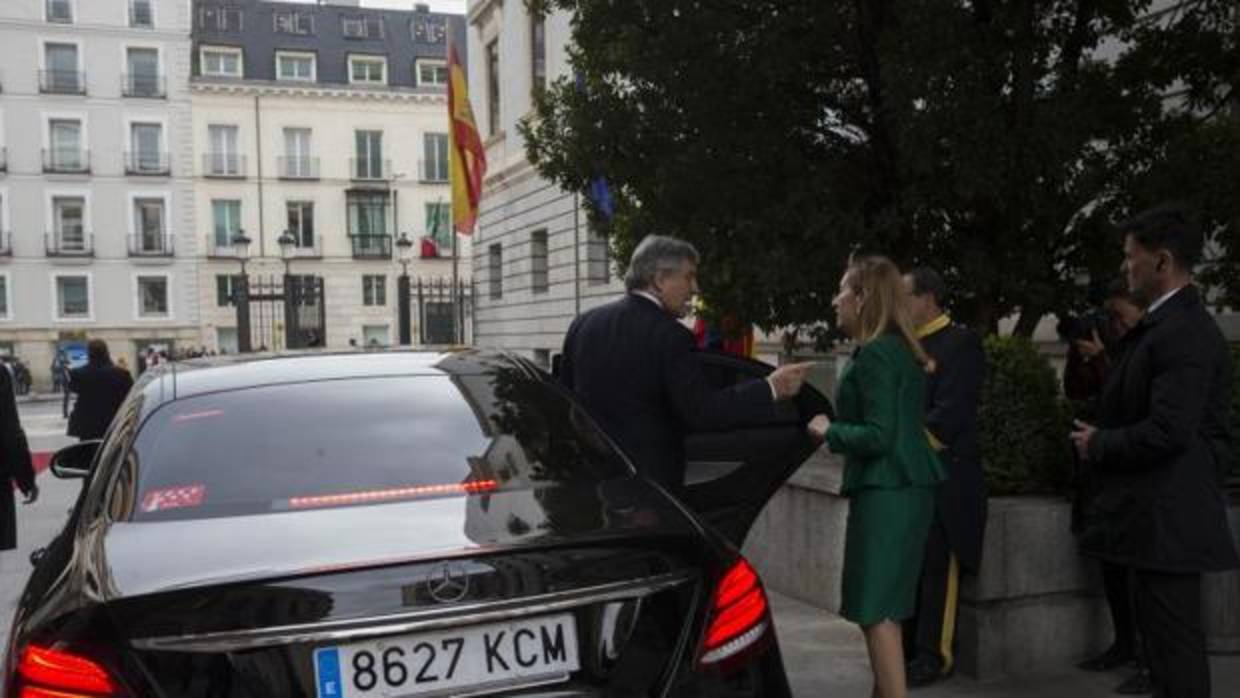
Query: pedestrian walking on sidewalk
[101,387]
[890,471]
[1161,445]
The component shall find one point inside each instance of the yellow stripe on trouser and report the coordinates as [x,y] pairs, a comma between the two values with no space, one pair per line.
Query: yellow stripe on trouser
[949,615]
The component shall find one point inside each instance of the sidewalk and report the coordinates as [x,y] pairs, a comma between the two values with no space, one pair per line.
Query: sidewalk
[825,656]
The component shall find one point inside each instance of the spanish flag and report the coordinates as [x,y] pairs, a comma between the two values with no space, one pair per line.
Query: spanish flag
[468,158]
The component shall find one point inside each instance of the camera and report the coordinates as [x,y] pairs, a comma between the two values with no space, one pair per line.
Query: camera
[1072,328]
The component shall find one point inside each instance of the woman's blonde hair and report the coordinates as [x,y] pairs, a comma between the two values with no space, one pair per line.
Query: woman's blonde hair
[879,287]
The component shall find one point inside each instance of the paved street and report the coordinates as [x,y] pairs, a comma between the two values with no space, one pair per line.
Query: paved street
[825,655]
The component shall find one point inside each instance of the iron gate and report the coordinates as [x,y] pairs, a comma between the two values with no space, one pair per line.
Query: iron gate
[437,310]
[276,313]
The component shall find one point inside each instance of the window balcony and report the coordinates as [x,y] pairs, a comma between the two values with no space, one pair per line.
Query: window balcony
[370,170]
[371,246]
[147,164]
[62,82]
[228,165]
[297,167]
[219,249]
[61,245]
[146,86]
[66,161]
[151,246]
[433,171]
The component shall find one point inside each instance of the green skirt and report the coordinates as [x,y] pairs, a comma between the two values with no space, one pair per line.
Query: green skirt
[883,550]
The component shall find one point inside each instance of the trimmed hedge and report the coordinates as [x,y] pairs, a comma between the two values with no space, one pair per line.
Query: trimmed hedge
[1024,421]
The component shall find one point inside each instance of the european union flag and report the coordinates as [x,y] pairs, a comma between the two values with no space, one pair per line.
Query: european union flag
[600,195]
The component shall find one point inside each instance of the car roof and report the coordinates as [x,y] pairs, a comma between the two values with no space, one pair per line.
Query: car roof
[191,377]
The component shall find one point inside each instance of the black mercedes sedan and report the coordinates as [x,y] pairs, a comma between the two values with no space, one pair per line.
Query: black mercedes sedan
[397,524]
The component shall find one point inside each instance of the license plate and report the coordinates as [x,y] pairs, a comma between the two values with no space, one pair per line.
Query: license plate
[500,654]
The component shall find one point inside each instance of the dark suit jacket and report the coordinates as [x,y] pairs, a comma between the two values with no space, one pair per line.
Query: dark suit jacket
[100,389]
[633,367]
[15,464]
[1163,444]
[953,390]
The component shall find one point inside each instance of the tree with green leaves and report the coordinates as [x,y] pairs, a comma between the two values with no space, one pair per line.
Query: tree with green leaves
[998,140]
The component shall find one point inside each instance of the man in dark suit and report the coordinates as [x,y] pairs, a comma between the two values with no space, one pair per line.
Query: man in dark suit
[631,363]
[101,387]
[15,465]
[953,389]
[1161,447]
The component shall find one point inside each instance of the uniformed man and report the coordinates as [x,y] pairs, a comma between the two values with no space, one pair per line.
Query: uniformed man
[953,389]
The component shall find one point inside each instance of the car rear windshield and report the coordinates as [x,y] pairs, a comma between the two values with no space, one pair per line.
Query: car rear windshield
[356,442]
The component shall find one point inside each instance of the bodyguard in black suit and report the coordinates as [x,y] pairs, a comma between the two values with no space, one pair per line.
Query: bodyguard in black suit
[101,387]
[15,464]
[631,363]
[1161,447]
[953,390]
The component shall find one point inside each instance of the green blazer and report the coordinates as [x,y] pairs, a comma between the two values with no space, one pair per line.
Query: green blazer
[880,420]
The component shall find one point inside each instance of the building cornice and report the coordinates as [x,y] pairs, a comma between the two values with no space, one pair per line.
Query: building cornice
[314,91]
[478,12]
[79,28]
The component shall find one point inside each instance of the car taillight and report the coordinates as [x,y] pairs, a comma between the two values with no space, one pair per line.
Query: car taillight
[739,616]
[43,672]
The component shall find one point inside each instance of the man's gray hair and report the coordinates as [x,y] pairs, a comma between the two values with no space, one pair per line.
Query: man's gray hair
[654,254]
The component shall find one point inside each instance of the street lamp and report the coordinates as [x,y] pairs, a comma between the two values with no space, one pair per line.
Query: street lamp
[288,244]
[404,248]
[241,294]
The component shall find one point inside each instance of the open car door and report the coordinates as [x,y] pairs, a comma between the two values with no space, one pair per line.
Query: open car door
[731,475]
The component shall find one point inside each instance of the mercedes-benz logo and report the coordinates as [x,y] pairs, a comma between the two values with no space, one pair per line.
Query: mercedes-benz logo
[447,582]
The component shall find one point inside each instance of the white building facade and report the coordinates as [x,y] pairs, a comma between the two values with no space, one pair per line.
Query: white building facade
[96,211]
[536,262]
[329,124]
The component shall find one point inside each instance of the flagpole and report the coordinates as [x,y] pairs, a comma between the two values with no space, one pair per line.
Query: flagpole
[456,308]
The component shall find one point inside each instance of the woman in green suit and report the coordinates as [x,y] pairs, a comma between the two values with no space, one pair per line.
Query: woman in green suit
[890,470]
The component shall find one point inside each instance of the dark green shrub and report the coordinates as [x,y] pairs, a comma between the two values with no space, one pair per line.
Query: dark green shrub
[1024,421]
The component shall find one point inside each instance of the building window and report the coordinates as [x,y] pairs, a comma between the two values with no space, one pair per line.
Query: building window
[439,226]
[375,335]
[222,19]
[146,156]
[292,22]
[226,340]
[493,87]
[149,234]
[368,70]
[59,11]
[538,262]
[295,66]
[69,223]
[226,215]
[428,30]
[142,80]
[152,296]
[361,27]
[223,160]
[141,14]
[374,289]
[225,287]
[4,296]
[431,73]
[367,212]
[221,62]
[65,139]
[61,74]
[598,258]
[72,297]
[368,147]
[435,150]
[301,222]
[538,52]
[298,164]
[495,267]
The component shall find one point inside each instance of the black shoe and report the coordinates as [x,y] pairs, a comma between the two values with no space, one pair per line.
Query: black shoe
[923,671]
[1138,684]
[1115,657]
